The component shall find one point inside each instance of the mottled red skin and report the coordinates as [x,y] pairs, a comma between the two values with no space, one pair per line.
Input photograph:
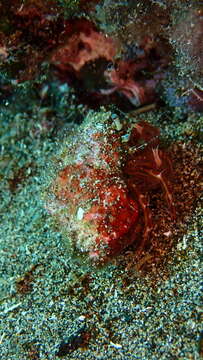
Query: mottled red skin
[113,212]
[114,222]
[118,206]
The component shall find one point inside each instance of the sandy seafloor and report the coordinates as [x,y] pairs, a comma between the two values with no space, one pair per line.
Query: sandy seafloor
[47,300]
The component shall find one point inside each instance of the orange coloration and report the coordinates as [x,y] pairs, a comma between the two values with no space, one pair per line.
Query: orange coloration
[106,184]
[148,168]
[86,59]
[83,43]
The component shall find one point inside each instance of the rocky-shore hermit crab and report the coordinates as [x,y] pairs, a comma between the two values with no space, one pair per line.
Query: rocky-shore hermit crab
[100,194]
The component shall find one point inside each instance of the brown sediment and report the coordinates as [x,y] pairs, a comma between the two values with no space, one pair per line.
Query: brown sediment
[24,285]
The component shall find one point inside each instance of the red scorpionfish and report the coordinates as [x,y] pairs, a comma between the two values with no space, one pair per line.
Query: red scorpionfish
[101,189]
